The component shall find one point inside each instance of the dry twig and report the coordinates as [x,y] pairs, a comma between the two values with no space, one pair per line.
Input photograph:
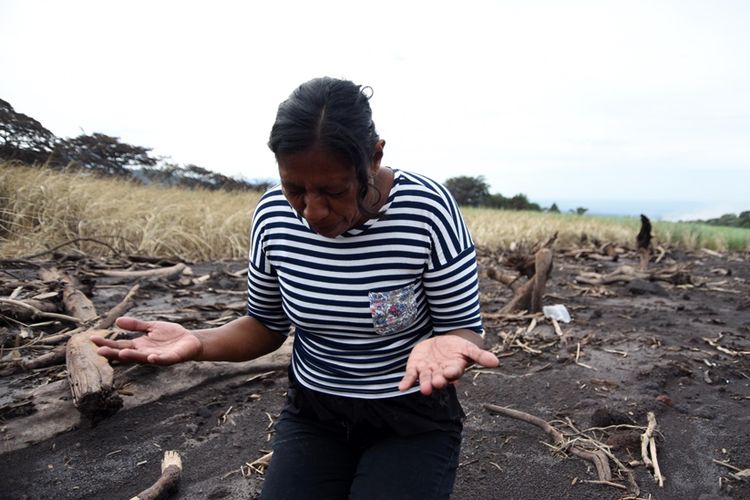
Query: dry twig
[648,449]
[598,458]
[168,482]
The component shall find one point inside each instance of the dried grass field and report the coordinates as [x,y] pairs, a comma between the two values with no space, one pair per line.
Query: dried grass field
[42,208]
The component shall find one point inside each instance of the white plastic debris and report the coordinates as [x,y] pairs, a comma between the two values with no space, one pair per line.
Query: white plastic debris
[558,312]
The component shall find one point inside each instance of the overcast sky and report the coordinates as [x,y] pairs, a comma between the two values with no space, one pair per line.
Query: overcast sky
[612,105]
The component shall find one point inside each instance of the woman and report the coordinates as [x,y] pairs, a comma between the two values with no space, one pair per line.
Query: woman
[376,271]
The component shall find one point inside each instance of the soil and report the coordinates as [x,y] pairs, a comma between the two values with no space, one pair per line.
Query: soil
[679,350]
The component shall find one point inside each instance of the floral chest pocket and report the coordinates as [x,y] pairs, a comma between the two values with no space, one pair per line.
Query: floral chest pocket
[393,311]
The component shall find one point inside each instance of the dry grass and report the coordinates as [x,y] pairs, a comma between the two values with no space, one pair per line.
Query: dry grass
[41,208]
[504,228]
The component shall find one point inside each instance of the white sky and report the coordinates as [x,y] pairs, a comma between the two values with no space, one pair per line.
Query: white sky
[586,103]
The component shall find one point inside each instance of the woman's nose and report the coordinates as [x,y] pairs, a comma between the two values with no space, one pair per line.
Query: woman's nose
[316,208]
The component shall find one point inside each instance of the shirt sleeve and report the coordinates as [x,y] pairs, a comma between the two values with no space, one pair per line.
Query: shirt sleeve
[451,281]
[263,293]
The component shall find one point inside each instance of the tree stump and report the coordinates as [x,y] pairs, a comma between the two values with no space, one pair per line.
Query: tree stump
[527,296]
[643,241]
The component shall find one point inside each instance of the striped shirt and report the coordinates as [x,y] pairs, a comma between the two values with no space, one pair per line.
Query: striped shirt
[361,301]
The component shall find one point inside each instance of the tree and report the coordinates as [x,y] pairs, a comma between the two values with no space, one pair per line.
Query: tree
[102,153]
[22,137]
[496,200]
[521,202]
[553,208]
[469,191]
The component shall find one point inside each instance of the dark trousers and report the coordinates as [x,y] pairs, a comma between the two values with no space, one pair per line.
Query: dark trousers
[361,456]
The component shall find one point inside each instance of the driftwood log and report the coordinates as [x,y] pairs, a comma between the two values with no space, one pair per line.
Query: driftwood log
[91,377]
[89,374]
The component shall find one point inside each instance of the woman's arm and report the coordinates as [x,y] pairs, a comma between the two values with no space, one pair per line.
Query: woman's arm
[239,340]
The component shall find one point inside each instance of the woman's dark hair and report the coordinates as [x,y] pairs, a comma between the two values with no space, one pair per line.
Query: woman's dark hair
[333,115]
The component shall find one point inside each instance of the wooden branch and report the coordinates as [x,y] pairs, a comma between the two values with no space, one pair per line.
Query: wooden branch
[507,279]
[648,448]
[91,377]
[76,240]
[162,272]
[626,274]
[36,313]
[598,458]
[57,355]
[168,482]
[54,357]
[75,301]
[121,308]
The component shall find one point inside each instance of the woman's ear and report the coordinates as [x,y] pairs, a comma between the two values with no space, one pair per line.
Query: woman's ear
[377,155]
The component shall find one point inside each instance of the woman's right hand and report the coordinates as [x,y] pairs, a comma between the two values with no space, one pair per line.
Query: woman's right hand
[165,343]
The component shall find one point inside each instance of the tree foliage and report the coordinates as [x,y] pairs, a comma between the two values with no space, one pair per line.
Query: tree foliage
[22,137]
[730,220]
[103,153]
[475,192]
[469,191]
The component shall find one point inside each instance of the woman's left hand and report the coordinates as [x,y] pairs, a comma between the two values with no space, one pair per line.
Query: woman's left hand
[438,361]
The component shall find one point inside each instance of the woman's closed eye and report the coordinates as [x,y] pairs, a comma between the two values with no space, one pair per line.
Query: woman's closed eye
[333,193]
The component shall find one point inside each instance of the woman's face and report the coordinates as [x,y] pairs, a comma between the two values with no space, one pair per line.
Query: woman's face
[322,189]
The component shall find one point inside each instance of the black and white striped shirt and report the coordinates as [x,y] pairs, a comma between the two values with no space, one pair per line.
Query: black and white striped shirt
[361,301]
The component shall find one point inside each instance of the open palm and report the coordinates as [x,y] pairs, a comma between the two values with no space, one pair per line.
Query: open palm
[165,343]
[438,361]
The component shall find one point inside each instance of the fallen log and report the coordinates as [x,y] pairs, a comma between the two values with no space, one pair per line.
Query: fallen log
[75,301]
[91,378]
[89,374]
[168,482]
